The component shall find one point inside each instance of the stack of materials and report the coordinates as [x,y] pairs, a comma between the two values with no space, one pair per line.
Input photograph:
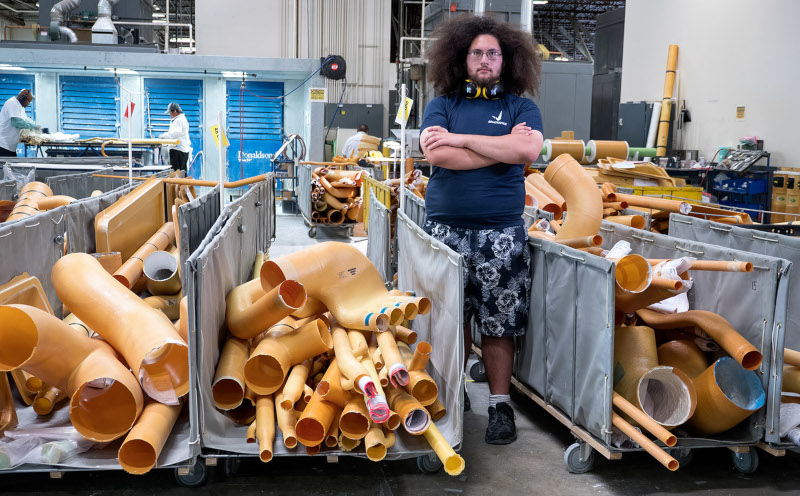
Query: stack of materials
[119,358]
[790,399]
[317,346]
[628,174]
[336,196]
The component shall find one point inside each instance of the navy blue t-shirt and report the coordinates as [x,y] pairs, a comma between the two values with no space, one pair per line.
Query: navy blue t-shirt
[491,197]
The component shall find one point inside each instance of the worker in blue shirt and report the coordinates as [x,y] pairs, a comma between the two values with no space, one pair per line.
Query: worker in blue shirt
[478,135]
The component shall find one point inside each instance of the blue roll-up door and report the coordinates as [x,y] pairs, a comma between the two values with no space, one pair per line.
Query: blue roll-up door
[255,127]
[189,95]
[89,106]
[10,86]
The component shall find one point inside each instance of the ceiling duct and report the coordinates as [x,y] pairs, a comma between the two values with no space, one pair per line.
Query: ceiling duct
[58,13]
[104,31]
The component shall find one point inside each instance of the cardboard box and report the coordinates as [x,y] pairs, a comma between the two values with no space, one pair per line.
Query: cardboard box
[286,194]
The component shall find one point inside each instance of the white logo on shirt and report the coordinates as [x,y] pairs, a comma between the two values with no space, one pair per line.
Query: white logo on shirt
[497,119]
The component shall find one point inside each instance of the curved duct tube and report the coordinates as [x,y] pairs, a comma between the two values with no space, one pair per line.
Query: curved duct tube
[350,192]
[314,422]
[228,387]
[141,448]
[340,276]
[665,394]
[635,221]
[333,202]
[452,461]
[420,385]
[46,347]
[403,334]
[583,197]
[436,410]
[659,454]
[377,443]
[51,202]
[632,302]
[169,305]
[642,419]
[339,175]
[540,183]
[354,212]
[719,329]
[28,202]
[8,412]
[330,387]
[270,361]
[726,395]
[346,360]
[155,352]
[396,369]
[354,421]
[292,390]
[683,355]
[286,422]
[46,399]
[245,413]
[162,272]
[132,270]
[415,418]
[60,11]
[250,311]
[265,426]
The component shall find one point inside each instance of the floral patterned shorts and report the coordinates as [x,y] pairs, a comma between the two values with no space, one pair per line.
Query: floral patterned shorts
[497,278]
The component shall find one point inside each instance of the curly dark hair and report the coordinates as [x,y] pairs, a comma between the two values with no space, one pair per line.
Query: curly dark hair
[522,64]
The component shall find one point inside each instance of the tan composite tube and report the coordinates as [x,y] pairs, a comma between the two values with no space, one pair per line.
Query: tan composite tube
[632,274]
[583,198]
[420,384]
[452,461]
[270,361]
[544,202]
[265,427]
[228,386]
[650,202]
[791,357]
[46,398]
[315,421]
[249,311]
[8,413]
[635,221]
[330,387]
[437,410]
[540,183]
[52,202]
[193,182]
[403,334]
[132,270]
[340,276]
[375,443]
[168,305]
[140,451]
[712,324]
[155,352]
[659,454]
[631,302]
[46,347]
[183,323]
[712,265]
[644,420]
[292,389]
[791,379]
[395,367]
[161,270]
[666,102]
[354,420]
[415,418]
[29,196]
[347,363]
[683,355]
[354,212]
[286,421]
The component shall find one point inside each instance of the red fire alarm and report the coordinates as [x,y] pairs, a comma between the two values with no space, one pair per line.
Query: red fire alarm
[452,6]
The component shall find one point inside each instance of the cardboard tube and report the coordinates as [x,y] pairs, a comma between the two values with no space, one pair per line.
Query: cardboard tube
[665,394]
[29,196]
[670,284]
[270,361]
[395,368]
[340,276]
[403,334]
[713,265]
[286,422]
[132,270]
[584,242]
[348,364]
[228,386]
[581,194]
[292,389]
[415,418]
[635,221]
[606,149]
[332,437]
[436,410]
[315,421]
[51,202]
[615,205]
[632,274]
[543,201]
[420,384]
[162,273]
[631,302]
[141,448]
[452,461]
[155,352]
[265,426]
[726,395]
[354,420]
[249,311]
[105,399]
[719,329]
[645,421]
[46,399]
[659,454]
[330,387]
[791,357]
[554,148]
[649,202]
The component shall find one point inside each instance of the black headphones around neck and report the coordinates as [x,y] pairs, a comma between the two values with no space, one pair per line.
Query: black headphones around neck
[471,90]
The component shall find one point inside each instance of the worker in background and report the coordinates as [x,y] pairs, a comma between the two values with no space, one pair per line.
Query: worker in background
[350,147]
[13,120]
[478,135]
[179,130]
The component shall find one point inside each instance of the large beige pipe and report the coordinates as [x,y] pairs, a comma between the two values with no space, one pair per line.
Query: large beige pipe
[270,361]
[315,421]
[144,336]
[141,448]
[683,355]
[132,270]
[659,454]
[249,311]
[228,387]
[105,398]
[354,420]
[340,276]
[583,198]
[29,196]
[452,461]
[719,329]
[162,272]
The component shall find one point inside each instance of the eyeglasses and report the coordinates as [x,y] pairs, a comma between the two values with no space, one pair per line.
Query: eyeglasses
[478,54]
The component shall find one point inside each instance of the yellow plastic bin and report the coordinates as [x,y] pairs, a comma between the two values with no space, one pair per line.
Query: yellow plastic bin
[380,190]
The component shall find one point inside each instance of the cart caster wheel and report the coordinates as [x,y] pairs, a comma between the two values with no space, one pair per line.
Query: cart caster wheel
[746,463]
[196,477]
[478,371]
[429,464]
[579,458]
[312,233]
[231,466]
[683,456]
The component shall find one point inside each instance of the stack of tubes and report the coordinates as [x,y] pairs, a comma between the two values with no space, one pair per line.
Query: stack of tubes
[415,183]
[35,197]
[317,346]
[121,360]
[336,196]
[668,376]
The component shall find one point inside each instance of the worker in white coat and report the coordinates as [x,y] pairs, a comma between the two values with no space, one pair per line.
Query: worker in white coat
[13,120]
[350,147]
[179,130]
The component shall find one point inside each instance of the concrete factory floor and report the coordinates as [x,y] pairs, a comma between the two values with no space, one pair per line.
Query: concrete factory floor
[532,465]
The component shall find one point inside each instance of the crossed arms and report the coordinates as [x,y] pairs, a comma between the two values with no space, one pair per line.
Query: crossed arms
[469,151]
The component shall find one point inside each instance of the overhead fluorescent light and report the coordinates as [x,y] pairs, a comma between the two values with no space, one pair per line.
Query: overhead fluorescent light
[539,2]
[184,39]
[159,15]
[121,71]
[9,67]
[233,74]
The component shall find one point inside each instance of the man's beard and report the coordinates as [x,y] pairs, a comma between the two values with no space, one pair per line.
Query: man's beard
[483,80]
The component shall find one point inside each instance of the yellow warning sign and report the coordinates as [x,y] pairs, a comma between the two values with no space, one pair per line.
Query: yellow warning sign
[403,110]
[215,130]
[318,95]
[740,112]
